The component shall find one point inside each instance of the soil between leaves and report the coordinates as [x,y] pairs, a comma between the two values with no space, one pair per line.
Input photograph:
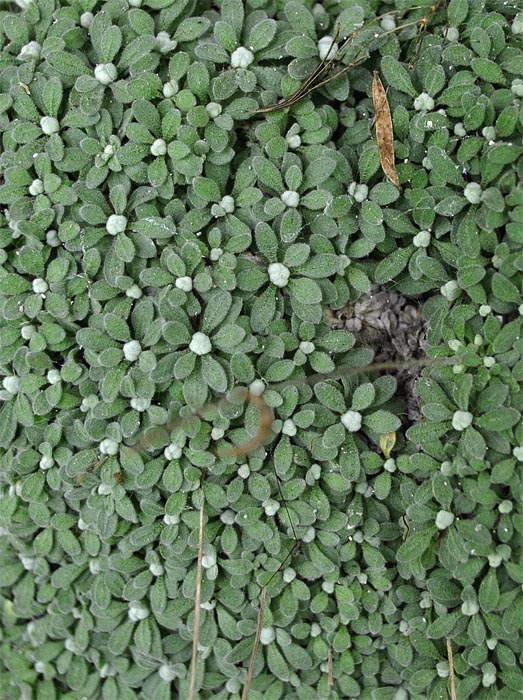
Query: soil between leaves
[393,326]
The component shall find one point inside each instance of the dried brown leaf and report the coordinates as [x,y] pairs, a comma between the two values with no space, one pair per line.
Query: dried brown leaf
[384,130]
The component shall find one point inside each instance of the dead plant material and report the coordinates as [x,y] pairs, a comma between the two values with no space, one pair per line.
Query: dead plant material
[197,609]
[384,130]
[264,430]
[257,636]
[89,468]
[331,667]
[326,71]
[452,677]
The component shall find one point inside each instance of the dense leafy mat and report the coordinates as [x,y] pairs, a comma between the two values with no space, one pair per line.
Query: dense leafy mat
[161,243]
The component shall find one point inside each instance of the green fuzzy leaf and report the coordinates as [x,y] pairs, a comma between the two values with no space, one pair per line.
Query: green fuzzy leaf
[397,75]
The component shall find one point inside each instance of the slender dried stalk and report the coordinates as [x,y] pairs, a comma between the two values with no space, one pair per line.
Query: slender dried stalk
[317,79]
[330,664]
[452,677]
[264,429]
[259,625]
[197,609]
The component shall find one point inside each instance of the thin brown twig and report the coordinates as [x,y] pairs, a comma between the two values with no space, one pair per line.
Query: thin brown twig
[327,65]
[331,668]
[197,608]
[452,677]
[259,625]
[263,432]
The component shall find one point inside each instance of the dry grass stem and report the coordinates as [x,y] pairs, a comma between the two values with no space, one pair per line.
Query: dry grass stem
[250,671]
[331,668]
[263,432]
[322,75]
[197,609]
[452,677]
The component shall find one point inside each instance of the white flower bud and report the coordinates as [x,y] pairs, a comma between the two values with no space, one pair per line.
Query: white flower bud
[290,198]
[27,332]
[307,347]
[172,451]
[455,344]
[170,89]
[156,569]
[327,47]
[518,453]
[105,73]
[516,87]
[489,132]
[165,43]
[421,239]
[159,148]
[36,187]
[271,507]
[517,24]
[29,51]
[115,224]
[289,428]
[184,283]
[289,574]
[140,404]
[49,125]
[53,376]
[46,462]
[213,109]
[109,447]
[278,274]
[171,519]
[452,34]
[424,102]
[469,608]
[134,292]
[137,612]
[444,519]
[200,344]
[217,433]
[360,192]
[442,668]
[167,673]
[11,384]
[86,19]
[460,130]
[40,286]
[293,141]
[51,238]
[484,310]
[390,465]
[132,350]
[472,192]
[489,362]
[352,421]
[209,559]
[257,387]
[462,420]
[241,58]
[267,635]
[135,3]
[244,471]
[451,290]
[227,204]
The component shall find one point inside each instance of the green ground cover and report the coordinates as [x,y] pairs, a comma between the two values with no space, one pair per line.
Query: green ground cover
[161,244]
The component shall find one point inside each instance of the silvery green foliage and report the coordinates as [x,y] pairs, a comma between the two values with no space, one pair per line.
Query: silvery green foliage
[161,244]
